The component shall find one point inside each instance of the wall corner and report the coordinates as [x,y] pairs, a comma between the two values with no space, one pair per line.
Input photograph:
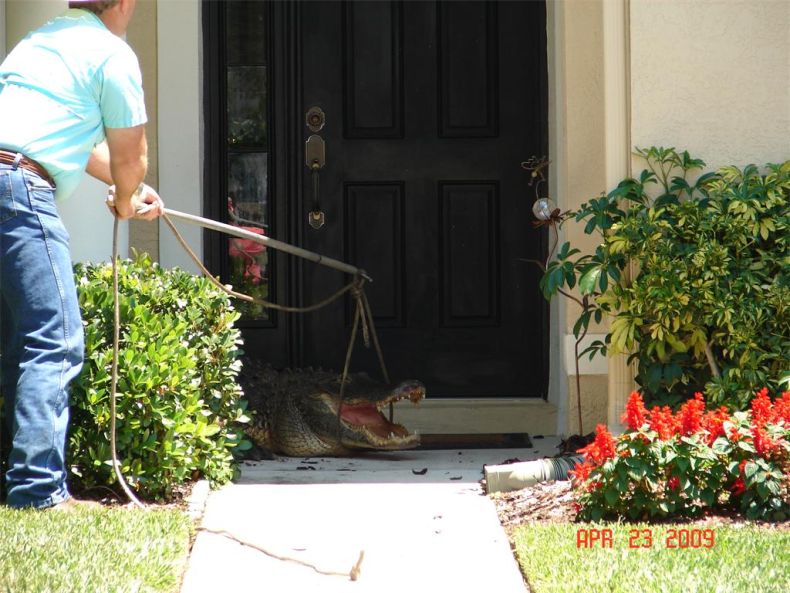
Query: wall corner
[618,159]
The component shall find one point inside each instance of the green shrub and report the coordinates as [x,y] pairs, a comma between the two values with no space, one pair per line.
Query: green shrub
[707,306]
[179,408]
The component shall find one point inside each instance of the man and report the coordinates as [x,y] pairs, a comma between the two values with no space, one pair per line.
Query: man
[71,100]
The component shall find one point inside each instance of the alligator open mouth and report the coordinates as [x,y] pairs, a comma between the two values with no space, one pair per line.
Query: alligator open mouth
[368,419]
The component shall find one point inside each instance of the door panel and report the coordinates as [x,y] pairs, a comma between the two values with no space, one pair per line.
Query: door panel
[430,109]
[468,69]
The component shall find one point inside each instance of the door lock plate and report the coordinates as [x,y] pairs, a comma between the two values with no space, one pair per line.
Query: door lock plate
[315,118]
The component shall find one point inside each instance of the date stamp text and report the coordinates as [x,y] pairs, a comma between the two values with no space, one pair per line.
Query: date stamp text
[678,538]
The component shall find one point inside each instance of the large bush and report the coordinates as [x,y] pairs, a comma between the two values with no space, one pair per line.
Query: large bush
[179,408]
[707,304]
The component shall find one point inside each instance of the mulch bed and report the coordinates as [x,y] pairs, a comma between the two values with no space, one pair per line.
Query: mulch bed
[546,502]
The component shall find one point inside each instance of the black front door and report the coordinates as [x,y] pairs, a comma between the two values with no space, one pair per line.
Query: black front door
[430,107]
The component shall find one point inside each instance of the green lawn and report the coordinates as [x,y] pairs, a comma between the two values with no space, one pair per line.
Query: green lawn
[102,551]
[746,559]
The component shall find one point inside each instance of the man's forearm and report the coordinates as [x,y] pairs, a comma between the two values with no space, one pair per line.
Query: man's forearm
[99,163]
[125,171]
[127,177]
[126,174]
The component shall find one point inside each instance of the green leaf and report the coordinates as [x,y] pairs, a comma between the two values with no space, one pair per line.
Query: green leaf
[589,279]
[750,469]
[721,445]
[676,344]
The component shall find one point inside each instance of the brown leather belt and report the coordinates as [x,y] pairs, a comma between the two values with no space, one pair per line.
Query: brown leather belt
[8,157]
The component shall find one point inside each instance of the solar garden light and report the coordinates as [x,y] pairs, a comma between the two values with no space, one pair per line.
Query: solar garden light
[542,208]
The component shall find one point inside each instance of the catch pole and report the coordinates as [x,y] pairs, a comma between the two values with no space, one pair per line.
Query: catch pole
[268,242]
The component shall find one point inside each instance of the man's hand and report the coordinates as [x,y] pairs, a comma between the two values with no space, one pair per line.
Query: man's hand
[145,204]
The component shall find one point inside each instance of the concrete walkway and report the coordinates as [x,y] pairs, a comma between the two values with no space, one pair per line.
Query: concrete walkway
[420,531]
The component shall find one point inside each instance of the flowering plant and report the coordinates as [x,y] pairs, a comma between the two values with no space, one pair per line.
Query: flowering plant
[248,260]
[685,463]
[248,250]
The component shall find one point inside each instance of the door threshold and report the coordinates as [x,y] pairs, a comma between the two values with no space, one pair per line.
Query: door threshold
[478,416]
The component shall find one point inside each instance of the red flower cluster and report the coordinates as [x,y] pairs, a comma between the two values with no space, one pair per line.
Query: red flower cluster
[782,409]
[693,419]
[635,414]
[713,423]
[602,448]
[246,249]
[762,408]
[739,486]
[663,421]
[766,412]
[595,454]
[690,418]
[690,415]
[763,443]
[581,472]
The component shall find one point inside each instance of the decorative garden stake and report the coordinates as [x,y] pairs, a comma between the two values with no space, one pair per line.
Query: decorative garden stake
[549,215]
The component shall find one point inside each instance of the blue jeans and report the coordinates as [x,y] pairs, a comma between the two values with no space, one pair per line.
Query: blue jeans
[41,337]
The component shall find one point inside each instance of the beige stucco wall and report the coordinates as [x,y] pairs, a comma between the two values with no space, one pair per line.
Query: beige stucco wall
[22,16]
[594,394]
[142,37]
[577,141]
[712,77]
[180,118]
[2,30]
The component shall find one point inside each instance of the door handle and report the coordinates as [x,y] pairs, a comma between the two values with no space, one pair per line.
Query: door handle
[315,159]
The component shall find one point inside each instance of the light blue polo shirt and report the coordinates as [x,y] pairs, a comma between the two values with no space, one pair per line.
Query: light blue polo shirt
[60,87]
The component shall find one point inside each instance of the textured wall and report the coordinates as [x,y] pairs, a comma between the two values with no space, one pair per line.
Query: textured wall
[712,77]
[2,30]
[22,16]
[594,394]
[581,143]
[180,119]
[142,37]
[577,130]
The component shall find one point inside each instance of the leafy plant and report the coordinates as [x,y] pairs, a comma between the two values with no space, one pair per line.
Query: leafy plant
[682,464]
[707,305]
[249,271]
[179,409]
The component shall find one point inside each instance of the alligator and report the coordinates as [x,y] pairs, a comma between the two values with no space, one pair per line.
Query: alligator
[298,412]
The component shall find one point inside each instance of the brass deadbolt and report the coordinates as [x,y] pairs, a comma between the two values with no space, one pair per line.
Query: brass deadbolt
[315,118]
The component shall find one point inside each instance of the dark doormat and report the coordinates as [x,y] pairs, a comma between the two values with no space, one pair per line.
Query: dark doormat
[512,440]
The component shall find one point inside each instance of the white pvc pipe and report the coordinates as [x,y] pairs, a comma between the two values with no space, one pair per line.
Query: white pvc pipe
[515,476]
